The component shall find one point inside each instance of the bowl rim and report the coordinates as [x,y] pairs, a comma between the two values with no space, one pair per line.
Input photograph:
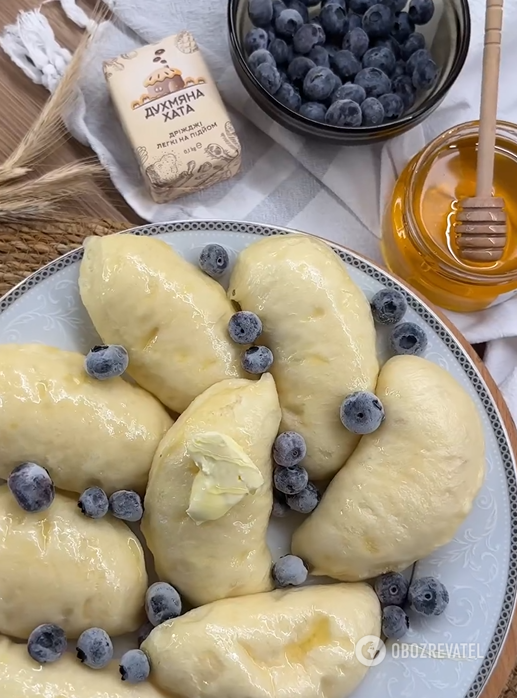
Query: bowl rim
[404,122]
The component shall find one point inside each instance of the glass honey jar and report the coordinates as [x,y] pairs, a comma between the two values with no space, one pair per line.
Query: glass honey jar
[418,241]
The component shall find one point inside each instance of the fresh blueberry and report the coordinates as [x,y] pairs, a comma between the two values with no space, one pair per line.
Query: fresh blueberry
[360,6]
[298,69]
[331,50]
[94,503]
[162,602]
[400,69]
[344,112]
[258,57]
[391,589]
[357,41]
[389,43]
[300,7]
[32,487]
[280,508]
[94,648]
[428,596]
[269,77]
[106,361]
[362,413]
[126,505]
[307,37]
[373,112]
[420,56]
[374,81]
[47,643]
[350,91]
[334,20]
[278,7]
[313,111]
[244,327]
[425,74]
[281,51]
[403,87]
[289,96]
[305,501]
[320,56]
[289,449]
[135,666]
[289,571]
[395,622]
[378,21]
[256,38]
[421,11]
[403,27]
[290,480]
[389,305]
[354,21]
[380,57]
[414,42]
[346,65]
[287,23]
[257,360]
[214,259]
[318,84]
[260,12]
[408,338]
[143,633]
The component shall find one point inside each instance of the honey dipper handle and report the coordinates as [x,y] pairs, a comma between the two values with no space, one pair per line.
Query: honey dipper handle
[489,96]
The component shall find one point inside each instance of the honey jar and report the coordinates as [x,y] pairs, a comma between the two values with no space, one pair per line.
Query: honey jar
[418,241]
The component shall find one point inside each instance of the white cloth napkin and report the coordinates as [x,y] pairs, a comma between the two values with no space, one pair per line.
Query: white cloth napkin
[338,193]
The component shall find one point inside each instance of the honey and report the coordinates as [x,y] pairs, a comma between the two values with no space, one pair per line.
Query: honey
[418,241]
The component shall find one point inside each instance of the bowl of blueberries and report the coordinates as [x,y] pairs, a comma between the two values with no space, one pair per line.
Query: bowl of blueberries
[348,71]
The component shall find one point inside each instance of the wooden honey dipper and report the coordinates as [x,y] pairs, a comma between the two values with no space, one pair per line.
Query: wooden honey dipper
[481,220]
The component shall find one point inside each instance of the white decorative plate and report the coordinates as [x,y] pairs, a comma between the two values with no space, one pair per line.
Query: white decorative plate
[479,567]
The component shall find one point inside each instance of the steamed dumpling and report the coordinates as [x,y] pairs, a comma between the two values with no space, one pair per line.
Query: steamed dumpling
[298,642]
[61,567]
[319,327]
[83,431]
[170,316]
[226,556]
[408,486]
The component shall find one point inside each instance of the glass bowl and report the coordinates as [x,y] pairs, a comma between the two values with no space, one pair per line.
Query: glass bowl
[447,38]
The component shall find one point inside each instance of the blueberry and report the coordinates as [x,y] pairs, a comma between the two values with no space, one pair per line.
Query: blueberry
[413,43]
[389,43]
[258,57]
[403,27]
[408,338]
[278,7]
[269,77]
[373,112]
[313,111]
[400,69]
[320,56]
[290,98]
[255,39]
[350,91]
[307,37]
[300,7]
[298,69]
[94,648]
[162,602]
[32,487]
[305,501]
[318,84]
[362,413]
[260,12]
[214,259]
[47,643]
[289,449]
[344,112]
[391,589]
[403,87]
[257,360]
[420,56]
[134,666]
[378,21]
[356,41]
[354,21]
[380,57]
[395,622]
[287,23]
[334,20]
[289,571]
[126,505]
[425,74]
[428,596]
[346,65]
[331,50]
[360,6]
[94,503]
[143,633]
[281,51]
[290,480]
[389,305]
[421,11]
[106,361]
[374,81]
[244,327]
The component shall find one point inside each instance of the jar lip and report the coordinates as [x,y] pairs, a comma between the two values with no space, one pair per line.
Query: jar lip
[462,274]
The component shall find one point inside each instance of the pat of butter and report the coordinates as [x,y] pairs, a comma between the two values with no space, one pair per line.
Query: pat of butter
[226,475]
